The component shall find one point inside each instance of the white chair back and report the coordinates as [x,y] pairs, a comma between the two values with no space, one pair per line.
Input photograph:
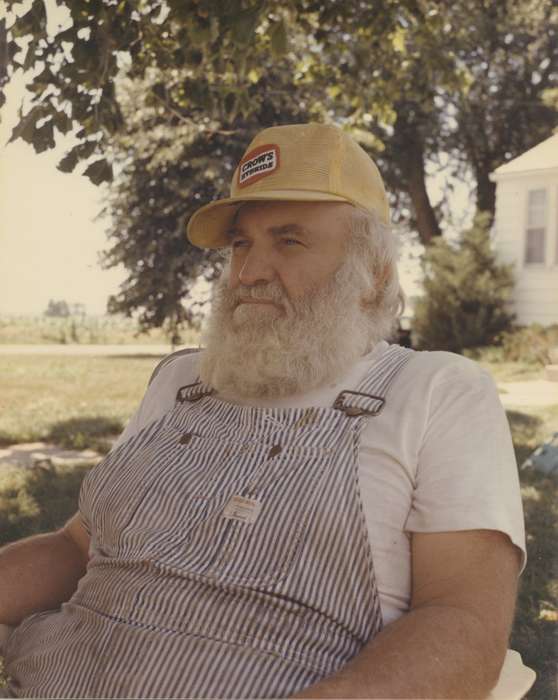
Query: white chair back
[515,679]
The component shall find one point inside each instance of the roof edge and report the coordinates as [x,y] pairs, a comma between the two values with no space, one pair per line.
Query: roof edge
[494,176]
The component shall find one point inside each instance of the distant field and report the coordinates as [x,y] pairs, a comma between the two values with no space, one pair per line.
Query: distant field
[105,330]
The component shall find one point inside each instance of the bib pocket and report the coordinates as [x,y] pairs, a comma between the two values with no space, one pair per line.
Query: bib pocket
[152,490]
[256,531]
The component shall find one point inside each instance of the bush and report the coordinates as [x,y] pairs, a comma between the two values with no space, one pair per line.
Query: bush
[532,344]
[466,293]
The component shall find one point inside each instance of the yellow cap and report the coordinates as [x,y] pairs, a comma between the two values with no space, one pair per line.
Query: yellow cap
[297,163]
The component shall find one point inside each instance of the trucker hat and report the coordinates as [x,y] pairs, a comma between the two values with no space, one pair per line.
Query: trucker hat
[294,163]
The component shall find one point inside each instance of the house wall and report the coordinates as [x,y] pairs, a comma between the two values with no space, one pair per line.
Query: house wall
[536,291]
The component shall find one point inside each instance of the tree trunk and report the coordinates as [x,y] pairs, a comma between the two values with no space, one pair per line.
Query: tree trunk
[409,149]
[486,193]
[427,224]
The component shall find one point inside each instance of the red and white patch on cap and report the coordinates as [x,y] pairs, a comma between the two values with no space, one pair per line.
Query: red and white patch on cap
[258,163]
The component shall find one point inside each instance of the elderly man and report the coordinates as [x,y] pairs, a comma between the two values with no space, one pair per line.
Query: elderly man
[300,509]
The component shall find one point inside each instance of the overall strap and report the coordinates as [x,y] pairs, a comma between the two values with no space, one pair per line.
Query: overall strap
[370,395]
[193,392]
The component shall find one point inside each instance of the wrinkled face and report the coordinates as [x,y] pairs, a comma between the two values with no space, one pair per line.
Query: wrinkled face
[286,315]
[299,245]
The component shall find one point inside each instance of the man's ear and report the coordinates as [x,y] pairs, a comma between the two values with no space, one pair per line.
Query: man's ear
[371,299]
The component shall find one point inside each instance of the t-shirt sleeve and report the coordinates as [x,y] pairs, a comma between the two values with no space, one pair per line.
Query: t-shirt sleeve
[467,475]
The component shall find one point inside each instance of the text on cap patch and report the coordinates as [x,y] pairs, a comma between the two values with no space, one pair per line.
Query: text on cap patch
[258,163]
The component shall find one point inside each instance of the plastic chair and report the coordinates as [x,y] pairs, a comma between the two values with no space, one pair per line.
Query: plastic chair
[515,679]
[514,682]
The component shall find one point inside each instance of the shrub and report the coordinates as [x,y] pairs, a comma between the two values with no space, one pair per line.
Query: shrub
[532,344]
[466,293]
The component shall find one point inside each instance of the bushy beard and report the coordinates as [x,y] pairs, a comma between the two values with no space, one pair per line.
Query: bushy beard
[292,346]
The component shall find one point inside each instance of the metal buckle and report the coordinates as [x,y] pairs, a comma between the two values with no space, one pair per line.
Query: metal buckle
[353,411]
[181,394]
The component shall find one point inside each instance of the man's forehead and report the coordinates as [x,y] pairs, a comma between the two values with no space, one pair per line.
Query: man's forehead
[277,230]
[280,217]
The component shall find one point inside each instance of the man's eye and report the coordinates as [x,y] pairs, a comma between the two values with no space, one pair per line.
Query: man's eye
[290,241]
[238,243]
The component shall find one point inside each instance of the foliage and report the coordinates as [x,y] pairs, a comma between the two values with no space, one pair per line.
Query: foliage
[532,344]
[521,352]
[536,621]
[507,55]
[57,309]
[169,168]
[162,96]
[37,500]
[465,293]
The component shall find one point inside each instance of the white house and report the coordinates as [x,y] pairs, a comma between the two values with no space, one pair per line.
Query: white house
[526,230]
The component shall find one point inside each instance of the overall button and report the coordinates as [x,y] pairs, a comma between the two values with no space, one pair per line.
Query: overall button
[185,438]
[274,451]
[354,411]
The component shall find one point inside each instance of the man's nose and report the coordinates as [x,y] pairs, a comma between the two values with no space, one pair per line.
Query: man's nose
[256,268]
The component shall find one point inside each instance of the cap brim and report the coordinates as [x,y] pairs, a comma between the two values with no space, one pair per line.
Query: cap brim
[208,225]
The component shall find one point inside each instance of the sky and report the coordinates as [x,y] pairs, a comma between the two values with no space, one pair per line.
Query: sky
[49,239]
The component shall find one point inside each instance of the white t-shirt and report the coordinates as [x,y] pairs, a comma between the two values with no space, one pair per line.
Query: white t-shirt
[438,458]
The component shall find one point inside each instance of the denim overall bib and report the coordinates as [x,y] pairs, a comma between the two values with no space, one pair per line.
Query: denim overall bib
[229,556]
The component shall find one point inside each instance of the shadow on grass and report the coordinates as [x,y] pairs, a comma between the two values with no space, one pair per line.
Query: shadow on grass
[536,620]
[93,432]
[535,628]
[525,430]
[80,433]
[37,500]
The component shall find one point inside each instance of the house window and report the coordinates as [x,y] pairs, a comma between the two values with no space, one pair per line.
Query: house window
[536,227]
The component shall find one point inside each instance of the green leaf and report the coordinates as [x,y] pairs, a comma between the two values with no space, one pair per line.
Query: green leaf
[30,59]
[86,149]
[279,39]
[25,128]
[80,152]
[63,122]
[43,138]
[244,25]
[99,171]
[32,22]
[69,162]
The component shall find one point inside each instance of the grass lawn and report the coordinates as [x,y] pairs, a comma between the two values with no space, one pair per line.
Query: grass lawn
[74,402]
[84,401]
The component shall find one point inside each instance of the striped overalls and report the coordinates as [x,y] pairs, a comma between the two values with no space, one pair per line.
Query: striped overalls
[229,556]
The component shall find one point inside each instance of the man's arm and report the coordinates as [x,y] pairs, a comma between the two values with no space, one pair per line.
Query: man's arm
[41,572]
[453,641]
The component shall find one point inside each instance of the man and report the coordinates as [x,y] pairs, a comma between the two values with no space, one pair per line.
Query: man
[300,509]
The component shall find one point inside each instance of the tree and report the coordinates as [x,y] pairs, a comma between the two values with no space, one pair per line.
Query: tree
[168,164]
[507,54]
[57,309]
[466,293]
[408,78]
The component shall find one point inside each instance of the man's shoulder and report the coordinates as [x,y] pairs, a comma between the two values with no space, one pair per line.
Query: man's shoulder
[180,366]
[435,368]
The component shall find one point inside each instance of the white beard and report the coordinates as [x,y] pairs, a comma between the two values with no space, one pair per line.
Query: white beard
[261,350]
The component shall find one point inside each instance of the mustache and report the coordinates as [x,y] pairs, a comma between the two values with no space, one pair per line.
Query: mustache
[269,292]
